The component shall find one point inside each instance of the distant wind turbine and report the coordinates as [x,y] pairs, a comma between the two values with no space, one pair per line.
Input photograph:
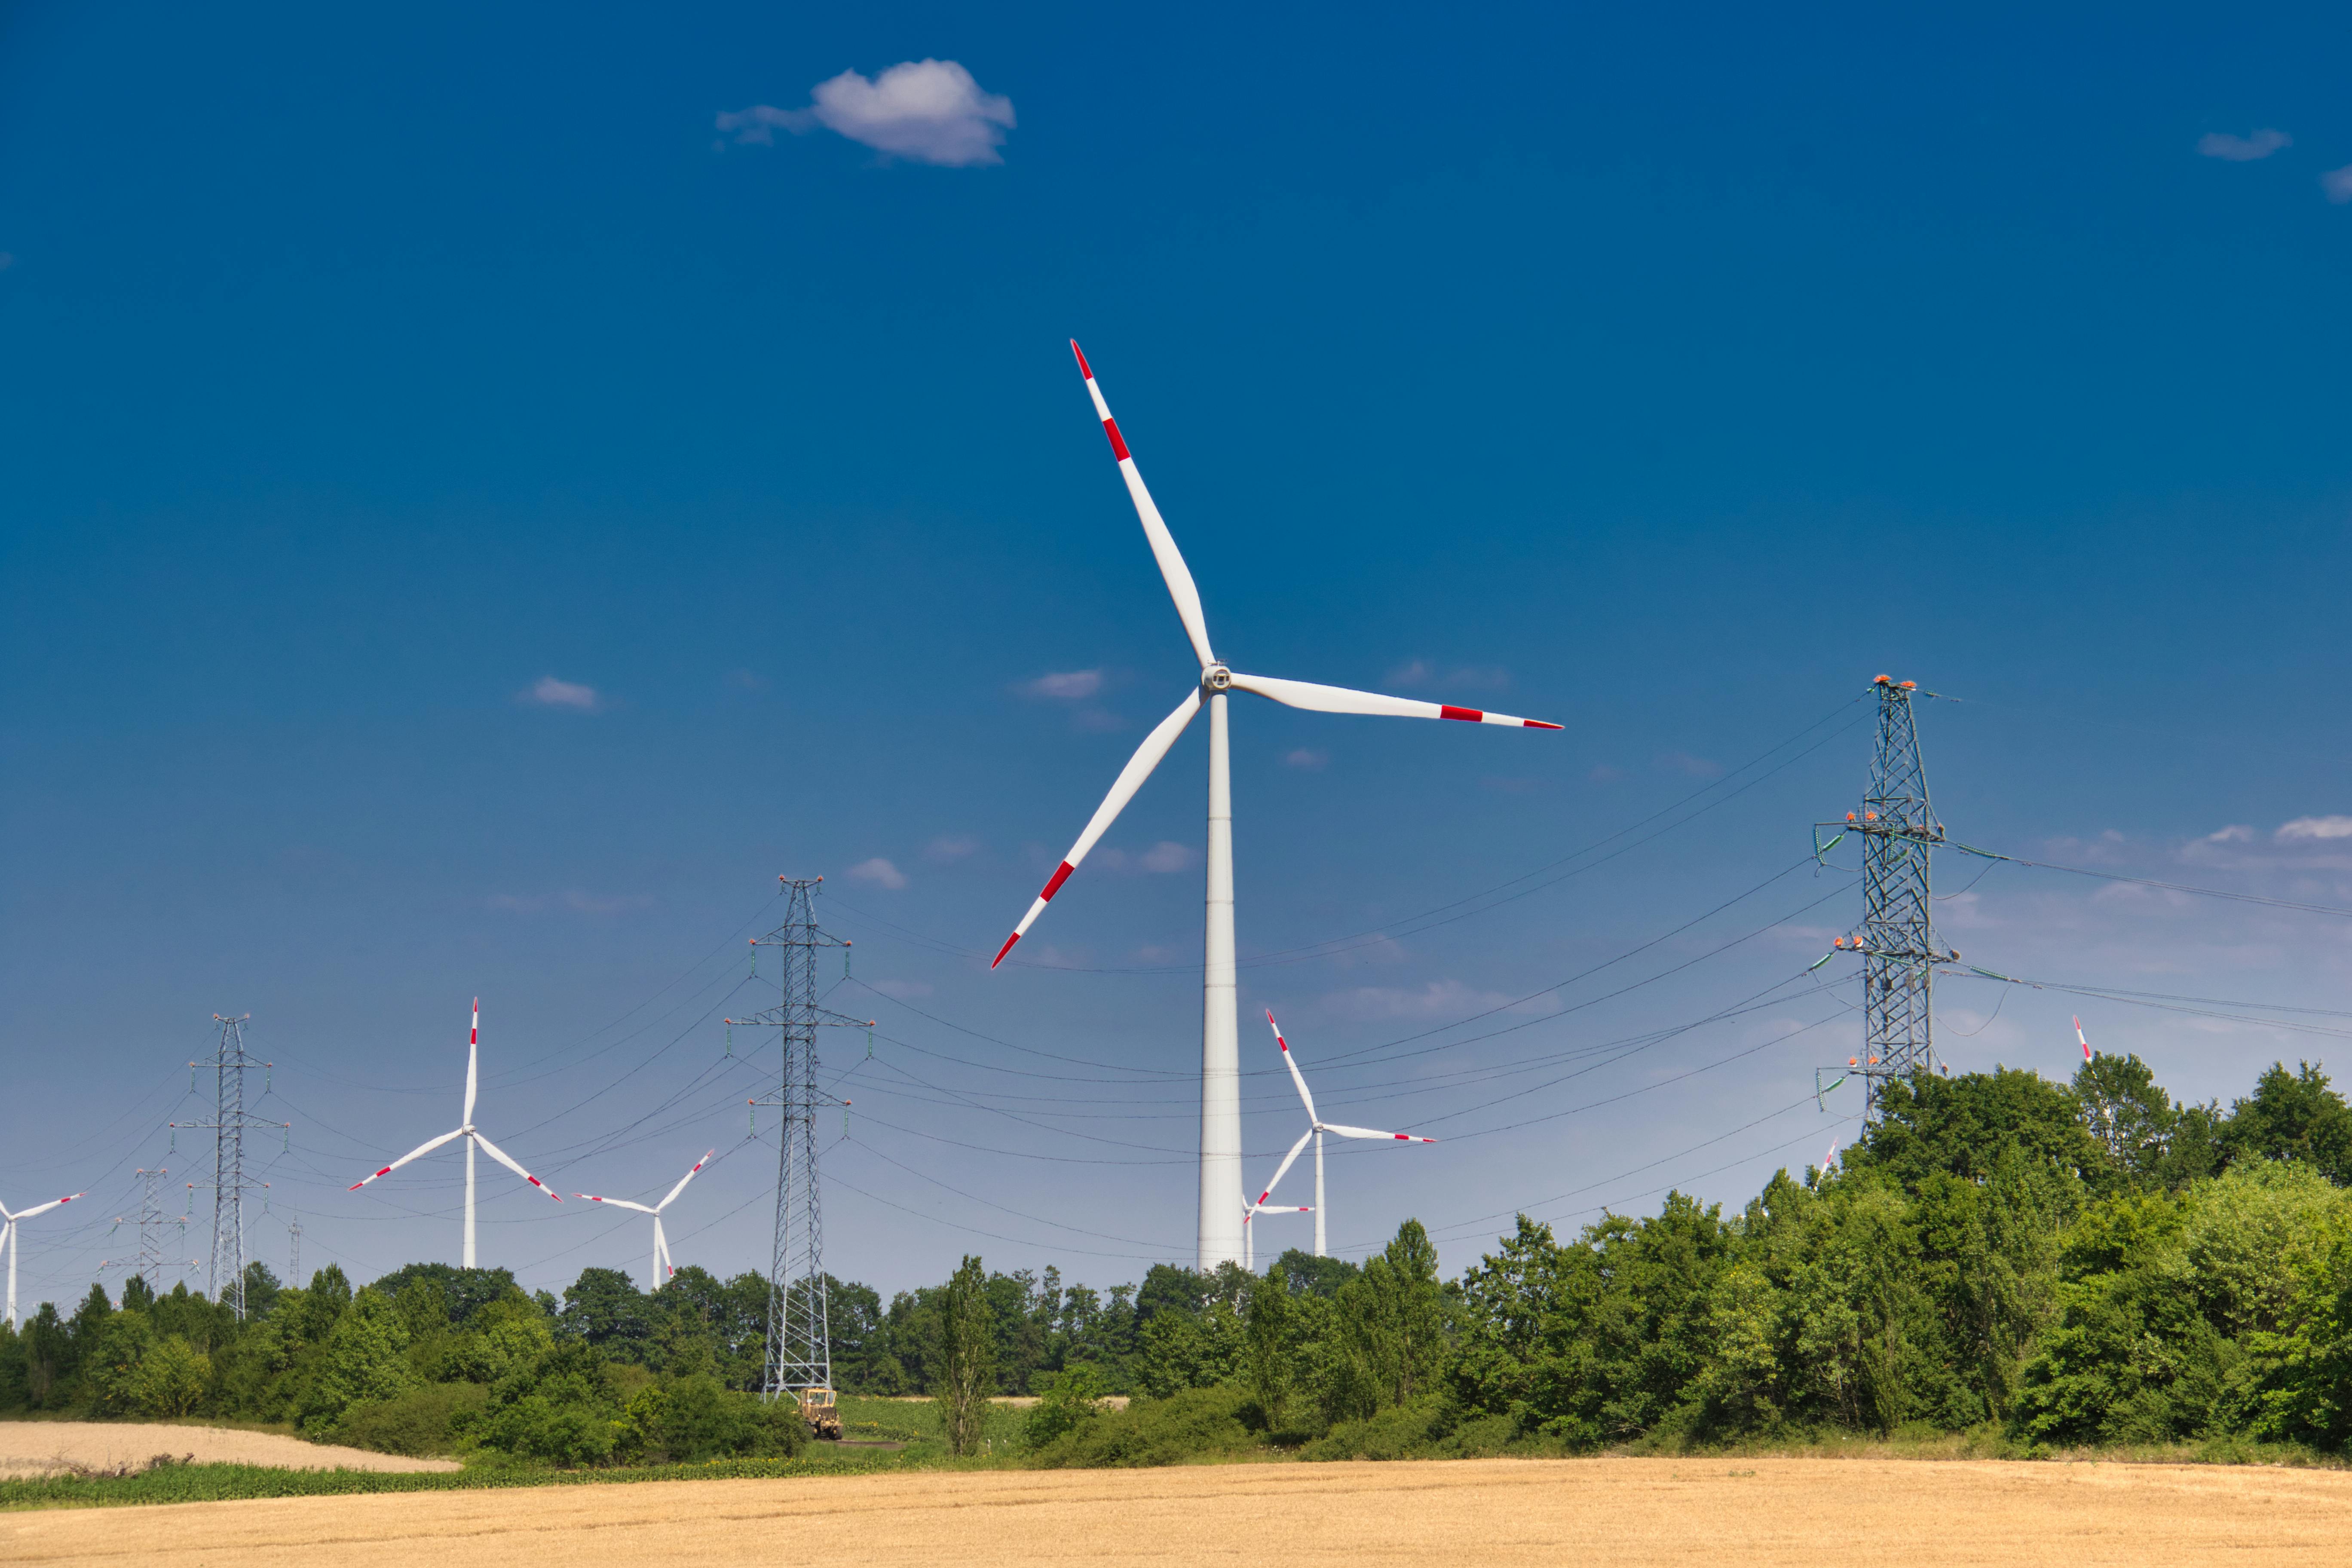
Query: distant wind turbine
[1315,1128]
[11,1246]
[1223,1214]
[467,1131]
[663,1268]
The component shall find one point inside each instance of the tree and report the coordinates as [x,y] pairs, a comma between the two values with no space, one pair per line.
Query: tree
[170,1379]
[2295,1116]
[362,1359]
[1267,1350]
[967,1357]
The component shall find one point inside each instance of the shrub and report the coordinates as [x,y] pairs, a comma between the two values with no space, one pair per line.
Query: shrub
[554,1432]
[1400,1432]
[1195,1424]
[1072,1398]
[420,1421]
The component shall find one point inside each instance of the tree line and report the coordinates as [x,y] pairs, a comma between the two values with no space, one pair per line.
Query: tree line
[2061,1263]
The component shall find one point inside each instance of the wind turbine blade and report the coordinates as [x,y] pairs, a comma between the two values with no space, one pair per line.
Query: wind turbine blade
[683,1180]
[1284,1169]
[2086,1044]
[613,1203]
[500,1155]
[44,1208]
[1369,1133]
[1277,1208]
[1130,779]
[413,1154]
[661,1249]
[1342,700]
[1291,1062]
[473,1056]
[1178,576]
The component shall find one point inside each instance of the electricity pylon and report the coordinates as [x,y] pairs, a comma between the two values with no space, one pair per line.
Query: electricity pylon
[151,1221]
[226,1265]
[800,1354]
[1897,938]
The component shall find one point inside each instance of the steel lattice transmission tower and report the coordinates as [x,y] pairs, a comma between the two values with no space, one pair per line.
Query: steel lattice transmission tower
[226,1265]
[800,1352]
[151,1221]
[1897,940]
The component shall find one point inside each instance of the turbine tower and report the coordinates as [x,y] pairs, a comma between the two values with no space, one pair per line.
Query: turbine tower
[1315,1128]
[663,1268]
[10,1245]
[472,1136]
[1222,1208]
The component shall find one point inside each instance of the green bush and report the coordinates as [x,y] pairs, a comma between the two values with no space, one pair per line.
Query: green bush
[1406,1431]
[1071,1398]
[418,1422]
[564,1432]
[1193,1423]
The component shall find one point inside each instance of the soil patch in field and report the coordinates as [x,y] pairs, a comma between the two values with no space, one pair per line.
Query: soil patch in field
[1757,1514]
[61,1448]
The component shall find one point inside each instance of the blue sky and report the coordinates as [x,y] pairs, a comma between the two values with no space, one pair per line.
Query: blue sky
[1666,374]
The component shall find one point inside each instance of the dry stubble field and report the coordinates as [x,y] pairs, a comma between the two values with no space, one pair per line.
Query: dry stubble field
[1760,1513]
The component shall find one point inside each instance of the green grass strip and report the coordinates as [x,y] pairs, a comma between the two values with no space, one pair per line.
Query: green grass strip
[226,1483]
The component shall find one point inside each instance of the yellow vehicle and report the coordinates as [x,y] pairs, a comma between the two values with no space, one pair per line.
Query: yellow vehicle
[817,1409]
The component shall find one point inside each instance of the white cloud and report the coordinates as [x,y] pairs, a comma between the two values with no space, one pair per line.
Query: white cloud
[2337,183]
[1307,758]
[1064,685]
[879,872]
[931,112]
[2236,833]
[2321,827]
[1438,999]
[2242,149]
[1166,856]
[952,846]
[550,692]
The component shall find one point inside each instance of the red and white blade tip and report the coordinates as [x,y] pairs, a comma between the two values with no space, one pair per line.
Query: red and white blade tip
[363,1181]
[1005,949]
[1084,368]
[1480,716]
[1278,1031]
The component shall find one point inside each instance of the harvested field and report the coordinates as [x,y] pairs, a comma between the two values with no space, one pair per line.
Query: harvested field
[1758,1513]
[54,1447]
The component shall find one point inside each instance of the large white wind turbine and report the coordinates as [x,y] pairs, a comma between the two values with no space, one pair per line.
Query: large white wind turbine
[467,1131]
[663,1268]
[1222,1210]
[11,1246]
[1315,1128]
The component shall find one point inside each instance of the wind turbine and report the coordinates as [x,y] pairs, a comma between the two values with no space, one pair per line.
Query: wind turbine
[1249,1235]
[11,1246]
[663,1268]
[1222,1210]
[466,1129]
[1315,1128]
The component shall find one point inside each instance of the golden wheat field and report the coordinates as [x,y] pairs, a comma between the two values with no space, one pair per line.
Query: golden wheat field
[1758,1513]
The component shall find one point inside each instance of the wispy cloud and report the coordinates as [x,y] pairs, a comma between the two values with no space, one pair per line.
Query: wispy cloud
[1603,774]
[1307,759]
[2337,183]
[930,111]
[2314,827]
[2236,833]
[879,872]
[2242,149]
[1166,856]
[1420,674]
[1438,999]
[952,846]
[1683,762]
[1063,685]
[549,692]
